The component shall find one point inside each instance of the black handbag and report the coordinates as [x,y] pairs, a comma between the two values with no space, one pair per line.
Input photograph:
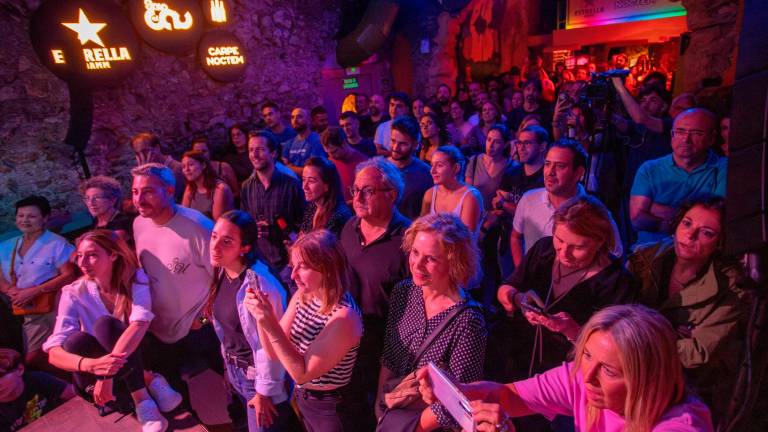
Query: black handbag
[405,419]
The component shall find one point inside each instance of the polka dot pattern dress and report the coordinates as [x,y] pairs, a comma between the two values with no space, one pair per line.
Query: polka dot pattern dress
[460,347]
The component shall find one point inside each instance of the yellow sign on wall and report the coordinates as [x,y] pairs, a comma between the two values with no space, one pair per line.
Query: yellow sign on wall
[94,58]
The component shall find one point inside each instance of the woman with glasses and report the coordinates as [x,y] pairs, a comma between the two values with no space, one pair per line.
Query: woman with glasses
[450,194]
[433,135]
[102,196]
[325,208]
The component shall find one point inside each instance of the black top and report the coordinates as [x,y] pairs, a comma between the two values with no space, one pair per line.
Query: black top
[368,126]
[645,145]
[460,347]
[42,393]
[283,199]
[121,221]
[241,165]
[335,224]
[612,285]
[226,313]
[516,116]
[517,183]
[417,180]
[377,266]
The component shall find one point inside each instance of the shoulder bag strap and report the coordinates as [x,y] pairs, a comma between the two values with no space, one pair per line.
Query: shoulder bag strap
[12,272]
[439,329]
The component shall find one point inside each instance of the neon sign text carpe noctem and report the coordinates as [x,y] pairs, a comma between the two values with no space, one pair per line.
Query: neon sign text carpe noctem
[225,55]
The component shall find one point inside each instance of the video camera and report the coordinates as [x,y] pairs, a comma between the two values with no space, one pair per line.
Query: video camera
[599,94]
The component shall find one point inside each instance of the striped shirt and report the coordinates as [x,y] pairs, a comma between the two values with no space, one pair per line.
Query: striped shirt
[307,325]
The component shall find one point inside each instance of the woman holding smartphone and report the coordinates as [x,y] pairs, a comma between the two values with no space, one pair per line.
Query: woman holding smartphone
[256,380]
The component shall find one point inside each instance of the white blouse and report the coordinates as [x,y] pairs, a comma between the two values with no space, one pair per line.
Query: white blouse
[81,305]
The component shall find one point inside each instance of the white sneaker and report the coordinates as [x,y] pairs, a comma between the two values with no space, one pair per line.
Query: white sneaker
[166,397]
[150,418]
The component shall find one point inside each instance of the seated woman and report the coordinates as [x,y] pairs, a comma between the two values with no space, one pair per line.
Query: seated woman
[204,192]
[35,265]
[318,337]
[626,375]
[450,194]
[222,169]
[433,135]
[325,208]
[256,380]
[101,322]
[560,283]
[102,196]
[444,261]
[686,278]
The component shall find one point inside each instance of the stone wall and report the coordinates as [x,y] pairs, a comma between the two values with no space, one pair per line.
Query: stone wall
[287,43]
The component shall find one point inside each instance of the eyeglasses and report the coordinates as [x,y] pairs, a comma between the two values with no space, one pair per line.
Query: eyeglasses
[683,133]
[366,192]
[95,198]
[526,143]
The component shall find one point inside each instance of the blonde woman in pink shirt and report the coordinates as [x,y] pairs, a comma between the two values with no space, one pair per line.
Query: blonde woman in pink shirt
[626,376]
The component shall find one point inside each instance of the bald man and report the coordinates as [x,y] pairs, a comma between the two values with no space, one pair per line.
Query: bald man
[661,185]
[305,144]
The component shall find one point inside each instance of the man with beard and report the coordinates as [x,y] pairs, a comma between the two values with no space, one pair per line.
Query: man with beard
[564,164]
[415,172]
[302,146]
[172,244]
[532,104]
[443,98]
[319,117]
[377,111]
[399,104]
[273,119]
[273,198]
[371,242]
[350,124]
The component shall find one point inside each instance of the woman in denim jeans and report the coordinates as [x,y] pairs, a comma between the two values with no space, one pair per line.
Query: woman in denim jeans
[256,380]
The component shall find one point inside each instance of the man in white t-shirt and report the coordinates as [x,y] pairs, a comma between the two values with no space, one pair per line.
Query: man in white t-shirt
[564,164]
[172,244]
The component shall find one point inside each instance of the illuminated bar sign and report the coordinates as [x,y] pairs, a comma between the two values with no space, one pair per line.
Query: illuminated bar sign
[173,26]
[89,42]
[585,13]
[222,55]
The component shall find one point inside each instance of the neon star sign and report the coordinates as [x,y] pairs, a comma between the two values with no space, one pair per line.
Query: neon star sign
[88,42]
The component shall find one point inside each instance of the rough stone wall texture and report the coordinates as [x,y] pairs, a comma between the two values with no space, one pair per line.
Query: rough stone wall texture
[287,43]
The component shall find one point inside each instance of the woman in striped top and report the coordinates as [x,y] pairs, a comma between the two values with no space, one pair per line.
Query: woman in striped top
[318,337]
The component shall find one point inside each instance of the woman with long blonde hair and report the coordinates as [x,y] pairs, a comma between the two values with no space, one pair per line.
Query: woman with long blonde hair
[101,322]
[626,376]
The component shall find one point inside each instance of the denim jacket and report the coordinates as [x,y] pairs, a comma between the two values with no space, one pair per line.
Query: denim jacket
[269,377]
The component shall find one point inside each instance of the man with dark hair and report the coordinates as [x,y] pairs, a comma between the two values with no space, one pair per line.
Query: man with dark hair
[274,122]
[532,104]
[531,143]
[343,156]
[512,78]
[399,104]
[404,142]
[691,169]
[443,98]
[146,148]
[350,123]
[564,164]
[303,145]
[273,198]
[319,119]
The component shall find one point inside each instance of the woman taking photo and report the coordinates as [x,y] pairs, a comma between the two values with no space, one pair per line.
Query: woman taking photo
[559,284]
[102,319]
[318,337]
[686,278]
[257,381]
[626,375]
[431,318]
[35,265]
[325,208]
[102,196]
[450,194]
[433,135]
[204,191]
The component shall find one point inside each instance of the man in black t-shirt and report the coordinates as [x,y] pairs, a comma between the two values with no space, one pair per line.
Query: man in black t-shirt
[531,148]
[25,396]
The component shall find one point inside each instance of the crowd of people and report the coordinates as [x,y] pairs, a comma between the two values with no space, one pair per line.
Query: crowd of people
[512,231]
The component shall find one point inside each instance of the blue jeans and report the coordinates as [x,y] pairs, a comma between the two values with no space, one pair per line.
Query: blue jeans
[285,421]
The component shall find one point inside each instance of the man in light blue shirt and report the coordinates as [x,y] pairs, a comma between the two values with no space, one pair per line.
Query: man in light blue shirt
[661,185]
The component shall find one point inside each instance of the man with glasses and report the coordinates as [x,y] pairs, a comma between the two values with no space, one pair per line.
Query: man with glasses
[691,169]
[372,241]
[404,142]
[531,146]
